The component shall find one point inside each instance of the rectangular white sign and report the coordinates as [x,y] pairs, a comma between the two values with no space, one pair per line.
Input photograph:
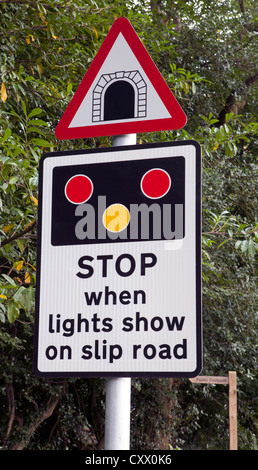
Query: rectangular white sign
[119,262]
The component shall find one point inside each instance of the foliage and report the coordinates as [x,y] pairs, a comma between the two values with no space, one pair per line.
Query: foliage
[206,53]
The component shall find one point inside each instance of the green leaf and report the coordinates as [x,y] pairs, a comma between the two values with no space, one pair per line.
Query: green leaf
[35,112]
[37,122]
[2,317]
[193,88]
[18,294]
[251,248]
[35,129]
[238,244]
[9,279]
[42,142]
[24,108]
[17,151]
[244,246]
[13,180]
[223,243]
[13,312]
[7,134]
[20,244]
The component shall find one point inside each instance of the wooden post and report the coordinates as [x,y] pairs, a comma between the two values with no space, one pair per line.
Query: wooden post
[231,381]
[232,393]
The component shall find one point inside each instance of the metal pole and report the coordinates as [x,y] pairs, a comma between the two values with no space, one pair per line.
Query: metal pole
[118,389]
[118,404]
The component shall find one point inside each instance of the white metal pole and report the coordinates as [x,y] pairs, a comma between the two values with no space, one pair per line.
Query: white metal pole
[118,389]
[118,404]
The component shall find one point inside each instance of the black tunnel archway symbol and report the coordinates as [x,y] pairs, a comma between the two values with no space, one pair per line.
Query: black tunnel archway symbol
[119,95]
[119,101]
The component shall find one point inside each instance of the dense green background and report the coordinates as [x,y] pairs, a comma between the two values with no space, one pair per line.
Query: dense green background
[205,50]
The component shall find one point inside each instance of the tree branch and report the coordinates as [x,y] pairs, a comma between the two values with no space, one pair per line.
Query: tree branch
[231,101]
[18,235]
[242,6]
[11,406]
[45,414]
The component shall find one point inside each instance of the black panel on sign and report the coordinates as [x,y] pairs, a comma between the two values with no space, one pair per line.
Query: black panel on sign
[120,183]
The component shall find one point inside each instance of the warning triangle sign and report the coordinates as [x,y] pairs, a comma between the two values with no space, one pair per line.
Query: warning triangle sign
[123,92]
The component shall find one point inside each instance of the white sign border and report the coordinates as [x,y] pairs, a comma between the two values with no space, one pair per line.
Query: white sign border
[105,373]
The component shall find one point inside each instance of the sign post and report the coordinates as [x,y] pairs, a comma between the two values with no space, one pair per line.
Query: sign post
[118,389]
[232,396]
[231,381]
[119,247]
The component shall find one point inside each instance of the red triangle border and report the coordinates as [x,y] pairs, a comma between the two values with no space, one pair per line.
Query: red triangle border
[176,121]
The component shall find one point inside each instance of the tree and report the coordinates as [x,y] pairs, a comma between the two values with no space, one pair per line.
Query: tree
[206,53]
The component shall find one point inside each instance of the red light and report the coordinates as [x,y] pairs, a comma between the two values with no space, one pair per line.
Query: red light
[78,189]
[155,183]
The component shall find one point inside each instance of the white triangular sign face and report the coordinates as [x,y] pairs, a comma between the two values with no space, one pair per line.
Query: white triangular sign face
[123,92]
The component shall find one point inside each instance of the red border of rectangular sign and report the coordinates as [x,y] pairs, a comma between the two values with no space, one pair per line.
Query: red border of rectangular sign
[178,117]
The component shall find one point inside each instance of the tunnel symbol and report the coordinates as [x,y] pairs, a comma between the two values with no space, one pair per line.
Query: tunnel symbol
[119,95]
